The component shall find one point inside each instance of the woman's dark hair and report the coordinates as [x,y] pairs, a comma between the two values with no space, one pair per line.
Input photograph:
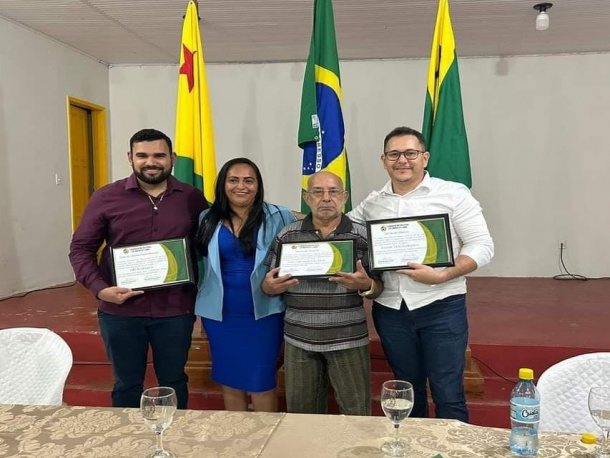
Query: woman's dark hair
[221,211]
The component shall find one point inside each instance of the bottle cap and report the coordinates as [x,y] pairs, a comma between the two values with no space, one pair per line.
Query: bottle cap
[588,438]
[526,374]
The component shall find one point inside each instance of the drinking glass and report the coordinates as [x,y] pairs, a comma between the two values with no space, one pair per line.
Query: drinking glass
[158,406]
[396,402]
[599,407]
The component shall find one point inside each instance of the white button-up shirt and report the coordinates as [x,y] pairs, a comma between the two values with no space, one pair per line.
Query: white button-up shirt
[469,234]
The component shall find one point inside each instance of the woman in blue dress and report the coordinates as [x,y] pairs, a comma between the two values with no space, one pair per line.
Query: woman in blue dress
[244,326]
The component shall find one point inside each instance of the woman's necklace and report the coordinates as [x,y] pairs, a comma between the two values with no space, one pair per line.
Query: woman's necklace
[235,224]
[156,204]
[236,227]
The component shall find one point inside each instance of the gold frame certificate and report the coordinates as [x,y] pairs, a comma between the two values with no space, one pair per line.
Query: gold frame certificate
[423,239]
[321,258]
[152,265]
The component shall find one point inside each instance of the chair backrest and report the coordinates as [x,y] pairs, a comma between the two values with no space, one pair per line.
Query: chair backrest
[564,392]
[34,365]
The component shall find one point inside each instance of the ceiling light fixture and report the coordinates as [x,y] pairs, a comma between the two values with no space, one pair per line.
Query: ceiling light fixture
[542,20]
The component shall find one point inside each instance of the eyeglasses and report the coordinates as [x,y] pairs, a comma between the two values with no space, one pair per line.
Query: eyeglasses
[409,154]
[317,193]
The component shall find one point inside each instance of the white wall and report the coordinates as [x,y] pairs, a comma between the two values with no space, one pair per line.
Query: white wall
[536,129]
[36,76]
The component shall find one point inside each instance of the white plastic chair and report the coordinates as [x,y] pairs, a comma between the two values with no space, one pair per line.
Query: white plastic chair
[34,365]
[564,392]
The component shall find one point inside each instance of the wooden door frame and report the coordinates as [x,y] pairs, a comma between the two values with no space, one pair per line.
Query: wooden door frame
[100,152]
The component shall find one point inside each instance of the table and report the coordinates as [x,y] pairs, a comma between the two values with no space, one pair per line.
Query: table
[309,436]
[91,432]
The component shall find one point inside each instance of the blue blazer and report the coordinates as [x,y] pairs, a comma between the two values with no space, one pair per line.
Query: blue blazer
[210,295]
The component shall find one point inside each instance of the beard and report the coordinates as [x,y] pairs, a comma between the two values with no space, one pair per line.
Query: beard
[141,175]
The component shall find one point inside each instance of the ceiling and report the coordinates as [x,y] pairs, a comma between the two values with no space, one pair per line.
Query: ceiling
[148,31]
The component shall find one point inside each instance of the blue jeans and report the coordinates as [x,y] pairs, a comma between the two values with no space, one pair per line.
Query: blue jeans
[127,340]
[428,345]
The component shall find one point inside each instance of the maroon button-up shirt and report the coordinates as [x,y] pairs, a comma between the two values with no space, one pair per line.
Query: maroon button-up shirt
[122,214]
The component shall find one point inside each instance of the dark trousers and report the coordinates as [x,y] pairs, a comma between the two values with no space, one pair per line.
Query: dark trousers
[428,344]
[127,340]
[307,374]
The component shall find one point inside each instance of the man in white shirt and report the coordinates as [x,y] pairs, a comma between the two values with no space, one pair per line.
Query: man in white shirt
[421,314]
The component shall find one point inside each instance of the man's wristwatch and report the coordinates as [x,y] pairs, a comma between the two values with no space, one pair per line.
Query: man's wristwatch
[370,292]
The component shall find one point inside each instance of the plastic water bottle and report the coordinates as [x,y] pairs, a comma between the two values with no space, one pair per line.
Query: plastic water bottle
[524,415]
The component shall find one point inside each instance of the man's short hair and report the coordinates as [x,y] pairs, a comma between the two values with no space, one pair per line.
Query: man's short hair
[403,131]
[149,135]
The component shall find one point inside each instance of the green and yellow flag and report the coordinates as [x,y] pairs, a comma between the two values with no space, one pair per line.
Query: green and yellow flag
[194,140]
[443,127]
[321,129]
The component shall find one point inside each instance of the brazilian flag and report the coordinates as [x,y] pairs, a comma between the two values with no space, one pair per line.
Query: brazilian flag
[321,129]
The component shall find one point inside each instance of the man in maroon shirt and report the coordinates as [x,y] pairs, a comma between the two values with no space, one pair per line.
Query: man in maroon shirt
[149,205]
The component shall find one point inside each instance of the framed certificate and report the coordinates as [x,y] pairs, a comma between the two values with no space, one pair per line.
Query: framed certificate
[423,239]
[152,265]
[321,258]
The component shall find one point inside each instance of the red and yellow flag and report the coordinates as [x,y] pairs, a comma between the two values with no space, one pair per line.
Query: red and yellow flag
[194,139]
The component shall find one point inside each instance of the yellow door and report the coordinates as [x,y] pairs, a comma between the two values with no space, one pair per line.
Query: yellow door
[80,163]
[88,156]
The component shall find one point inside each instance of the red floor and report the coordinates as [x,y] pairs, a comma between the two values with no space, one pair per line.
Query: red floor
[539,311]
[502,311]
[514,322]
